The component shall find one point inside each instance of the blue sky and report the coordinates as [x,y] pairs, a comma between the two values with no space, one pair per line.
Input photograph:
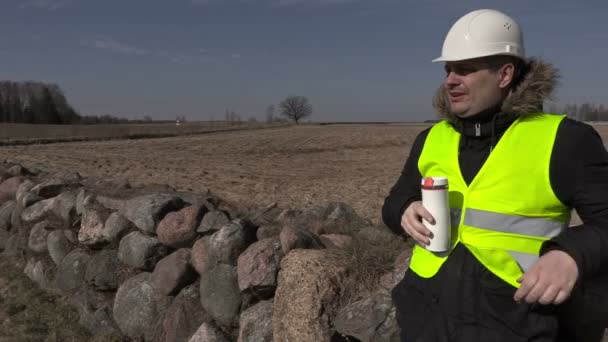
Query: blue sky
[356,60]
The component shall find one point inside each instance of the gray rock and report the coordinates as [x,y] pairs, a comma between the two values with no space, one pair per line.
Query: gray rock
[370,319]
[71,271]
[213,221]
[173,272]
[230,241]
[256,323]
[38,273]
[146,211]
[116,227]
[220,295]
[141,251]
[100,322]
[24,196]
[38,236]
[138,308]
[258,267]
[6,211]
[61,207]
[293,237]
[208,333]
[59,245]
[16,221]
[184,316]
[102,269]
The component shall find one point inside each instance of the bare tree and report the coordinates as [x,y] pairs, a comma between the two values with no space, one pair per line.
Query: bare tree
[295,108]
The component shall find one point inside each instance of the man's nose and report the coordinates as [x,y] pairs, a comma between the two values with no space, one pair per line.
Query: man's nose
[452,79]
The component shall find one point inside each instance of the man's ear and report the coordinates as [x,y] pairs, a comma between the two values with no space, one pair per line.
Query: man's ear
[506,74]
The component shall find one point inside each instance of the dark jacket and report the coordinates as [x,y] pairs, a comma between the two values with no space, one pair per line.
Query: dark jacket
[579,177]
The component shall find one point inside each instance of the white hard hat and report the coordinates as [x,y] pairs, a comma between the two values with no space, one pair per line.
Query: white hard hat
[482,33]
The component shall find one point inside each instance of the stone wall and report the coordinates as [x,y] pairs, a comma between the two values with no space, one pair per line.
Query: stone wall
[155,264]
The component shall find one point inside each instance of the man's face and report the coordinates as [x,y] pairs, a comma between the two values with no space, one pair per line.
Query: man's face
[473,85]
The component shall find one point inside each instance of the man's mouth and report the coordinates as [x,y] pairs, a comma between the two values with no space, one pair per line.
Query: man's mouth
[456,95]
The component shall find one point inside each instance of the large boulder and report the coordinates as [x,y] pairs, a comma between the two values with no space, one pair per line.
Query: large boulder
[230,241]
[116,227]
[184,316]
[102,270]
[256,323]
[141,251]
[258,267]
[220,295]
[71,271]
[178,229]
[370,319]
[59,244]
[147,211]
[138,308]
[37,241]
[92,225]
[306,299]
[173,272]
[61,207]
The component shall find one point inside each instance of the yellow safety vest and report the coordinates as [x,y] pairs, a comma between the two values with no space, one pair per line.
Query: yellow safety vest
[509,208]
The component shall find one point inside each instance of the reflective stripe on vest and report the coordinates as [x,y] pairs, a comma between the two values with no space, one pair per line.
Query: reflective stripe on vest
[514,224]
[509,209]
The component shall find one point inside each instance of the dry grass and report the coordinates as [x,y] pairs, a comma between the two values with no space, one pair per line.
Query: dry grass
[21,134]
[31,314]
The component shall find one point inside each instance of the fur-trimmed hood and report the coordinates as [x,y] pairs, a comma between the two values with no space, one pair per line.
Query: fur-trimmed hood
[537,85]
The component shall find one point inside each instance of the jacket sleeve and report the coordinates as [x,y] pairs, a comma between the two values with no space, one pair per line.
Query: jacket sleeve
[407,188]
[579,177]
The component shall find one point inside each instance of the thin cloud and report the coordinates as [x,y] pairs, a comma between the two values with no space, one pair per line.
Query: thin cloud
[236,55]
[109,44]
[46,4]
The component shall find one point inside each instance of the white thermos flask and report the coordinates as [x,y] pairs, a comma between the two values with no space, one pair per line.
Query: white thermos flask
[435,201]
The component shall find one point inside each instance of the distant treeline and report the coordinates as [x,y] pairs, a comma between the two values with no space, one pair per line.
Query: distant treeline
[42,103]
[583,112]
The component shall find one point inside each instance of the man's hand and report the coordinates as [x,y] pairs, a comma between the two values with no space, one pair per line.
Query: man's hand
[550,280]
[411,222]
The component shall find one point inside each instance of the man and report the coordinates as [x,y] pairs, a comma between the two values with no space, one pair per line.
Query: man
[514,176]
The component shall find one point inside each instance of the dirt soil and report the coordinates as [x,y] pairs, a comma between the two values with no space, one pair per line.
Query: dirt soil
[296,166]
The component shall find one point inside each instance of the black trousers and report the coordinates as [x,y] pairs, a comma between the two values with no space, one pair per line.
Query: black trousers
[466,302]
